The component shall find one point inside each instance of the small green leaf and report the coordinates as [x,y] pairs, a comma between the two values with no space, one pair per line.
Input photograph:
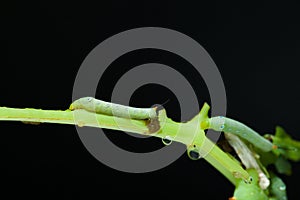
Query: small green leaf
[283,166]
[280,132]
[286,146]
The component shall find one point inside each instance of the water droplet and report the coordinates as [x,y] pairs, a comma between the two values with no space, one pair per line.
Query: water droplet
[167,140]
[222,126]
[246,181]
[193,153]
[282,187]
[250,179]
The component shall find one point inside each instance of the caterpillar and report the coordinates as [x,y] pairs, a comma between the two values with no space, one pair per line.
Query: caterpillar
[227,125]
[91,104]
[101,107]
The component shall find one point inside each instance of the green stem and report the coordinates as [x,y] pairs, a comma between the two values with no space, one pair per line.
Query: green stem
[76,117]
[189,133]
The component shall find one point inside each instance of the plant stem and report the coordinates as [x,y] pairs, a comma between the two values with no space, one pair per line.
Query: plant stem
[76,117]
[189,133]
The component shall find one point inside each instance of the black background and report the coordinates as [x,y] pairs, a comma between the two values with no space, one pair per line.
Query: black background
[255,46]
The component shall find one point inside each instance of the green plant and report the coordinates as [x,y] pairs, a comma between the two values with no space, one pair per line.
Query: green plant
[250,174]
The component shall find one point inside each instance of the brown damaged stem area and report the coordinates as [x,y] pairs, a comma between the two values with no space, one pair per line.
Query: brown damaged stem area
[153,125]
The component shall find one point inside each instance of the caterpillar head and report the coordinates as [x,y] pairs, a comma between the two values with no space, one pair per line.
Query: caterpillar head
[81,103]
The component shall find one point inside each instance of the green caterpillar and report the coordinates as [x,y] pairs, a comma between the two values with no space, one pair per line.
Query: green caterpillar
[101,107]
[227,125]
